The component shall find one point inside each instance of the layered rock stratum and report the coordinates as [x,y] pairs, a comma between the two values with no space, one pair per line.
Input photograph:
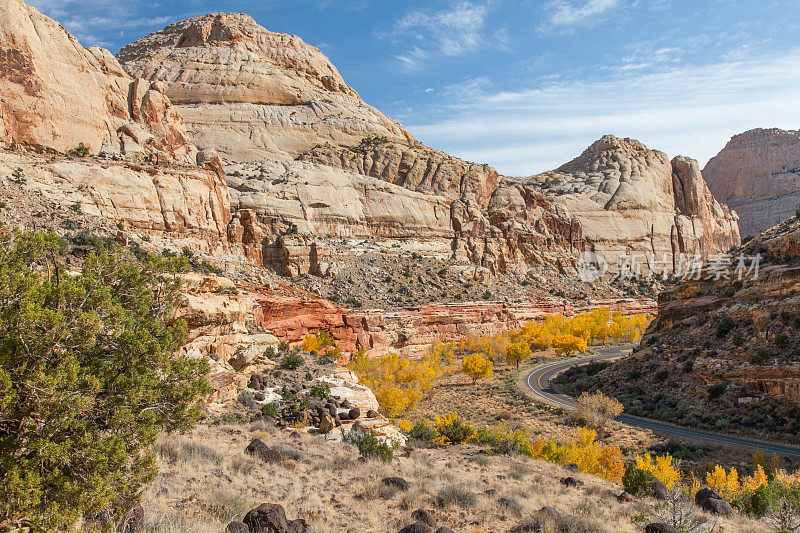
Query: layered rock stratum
[633,200]
[758,175]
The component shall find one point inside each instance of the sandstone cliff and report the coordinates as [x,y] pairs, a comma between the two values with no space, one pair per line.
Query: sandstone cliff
[56,94]
[723,352]
[758,175]
[630,199]
[250,93]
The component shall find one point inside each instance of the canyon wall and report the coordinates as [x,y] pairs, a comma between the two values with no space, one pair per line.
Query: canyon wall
[758,175]
[57,95]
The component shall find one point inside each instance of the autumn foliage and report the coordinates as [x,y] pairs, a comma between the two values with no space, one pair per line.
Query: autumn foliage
[476,366]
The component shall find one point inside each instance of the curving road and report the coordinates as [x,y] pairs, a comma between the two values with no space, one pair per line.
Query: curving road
[539,381]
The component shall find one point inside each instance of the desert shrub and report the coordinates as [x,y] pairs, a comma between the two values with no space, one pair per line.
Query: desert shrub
[662,375]
[270,353]
[715,391]
[81,150]
[725,326]
[269,409]
[688,366]
[88,378]
[292,361]
[477,367]
[321,391]
[781,340]
[283,347]
[595,409]
[456,495]
[637,482]
[452,429]
[369,446]
[760,356]
[423,431]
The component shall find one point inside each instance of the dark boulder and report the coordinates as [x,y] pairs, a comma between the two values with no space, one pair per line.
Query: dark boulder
[659,490]
[705,494]
[570,481]
[421,515]
[547,510]
[717,506]
[267,518]
[258,449]
[417,527]
[372,413]
[511,505]
[572,468]
[237,527]
[354,413]
[396,482]
[297,526]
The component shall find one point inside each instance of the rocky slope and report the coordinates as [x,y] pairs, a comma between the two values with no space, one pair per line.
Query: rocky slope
[630,199]
[56,94]
[250,93]
[723,352]
[758,175]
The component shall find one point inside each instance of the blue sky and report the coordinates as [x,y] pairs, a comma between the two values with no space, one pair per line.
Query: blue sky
[526,85]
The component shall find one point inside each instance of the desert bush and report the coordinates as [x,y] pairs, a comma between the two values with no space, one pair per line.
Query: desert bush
[453,430]
[369,446]
[292,361]
[636,481]
[423,431]
[88,378]
[321,391]
[477,367]
[456,495]
[269,409]
[715,391]
[596,410]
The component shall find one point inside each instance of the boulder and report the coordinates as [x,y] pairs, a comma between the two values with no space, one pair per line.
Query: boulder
[624,497]
[511,505]
[354,413]
[372,413]
[659,527]
[237,527]
[547,510]
[572,468]
[396,482]
[417,527]
[570,481]
[705,494]
[444,529]
[717,506]
[326,423]
[659,490]
[267,518]
[421,515]
[257,448]
[297,526]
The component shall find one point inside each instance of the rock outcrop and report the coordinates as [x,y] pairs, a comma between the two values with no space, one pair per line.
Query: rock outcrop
[179,203]
[251,93]
[57,95]
[758,175]
[630,199]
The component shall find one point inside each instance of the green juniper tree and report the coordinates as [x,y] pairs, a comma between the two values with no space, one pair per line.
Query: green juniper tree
[88,377]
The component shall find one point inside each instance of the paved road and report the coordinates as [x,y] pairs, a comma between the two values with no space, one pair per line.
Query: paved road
[539,381]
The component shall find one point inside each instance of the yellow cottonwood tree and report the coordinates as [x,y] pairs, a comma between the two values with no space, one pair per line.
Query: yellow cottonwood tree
[477,367]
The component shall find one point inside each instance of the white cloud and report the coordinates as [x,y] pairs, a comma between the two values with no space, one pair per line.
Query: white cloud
[688,110]
[453,32]
[570,13]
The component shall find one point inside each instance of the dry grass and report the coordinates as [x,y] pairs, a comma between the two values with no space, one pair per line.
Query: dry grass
[207,480]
